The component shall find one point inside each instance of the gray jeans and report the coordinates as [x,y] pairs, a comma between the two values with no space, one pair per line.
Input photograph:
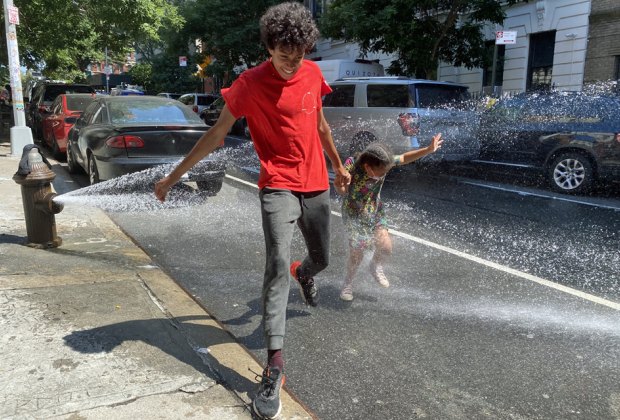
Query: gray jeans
[280,210]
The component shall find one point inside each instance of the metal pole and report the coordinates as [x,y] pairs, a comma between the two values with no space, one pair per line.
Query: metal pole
[105,72]
[20,133]
[494,69]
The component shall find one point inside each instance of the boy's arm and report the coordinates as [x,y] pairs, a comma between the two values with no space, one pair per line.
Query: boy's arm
[207,143]
[343,178]
[416,154]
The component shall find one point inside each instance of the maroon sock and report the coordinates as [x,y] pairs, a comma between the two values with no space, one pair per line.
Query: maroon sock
[275,359]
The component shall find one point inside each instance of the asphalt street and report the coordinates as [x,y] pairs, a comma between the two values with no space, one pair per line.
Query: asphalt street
[503,304]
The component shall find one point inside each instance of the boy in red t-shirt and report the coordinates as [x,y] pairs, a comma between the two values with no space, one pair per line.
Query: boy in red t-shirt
[281,101]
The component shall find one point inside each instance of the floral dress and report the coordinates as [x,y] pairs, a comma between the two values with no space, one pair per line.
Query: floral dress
[362,209]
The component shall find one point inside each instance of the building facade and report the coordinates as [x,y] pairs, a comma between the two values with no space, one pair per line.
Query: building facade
[560,44]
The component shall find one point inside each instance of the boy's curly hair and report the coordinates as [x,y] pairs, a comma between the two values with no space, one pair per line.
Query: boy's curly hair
[290,26]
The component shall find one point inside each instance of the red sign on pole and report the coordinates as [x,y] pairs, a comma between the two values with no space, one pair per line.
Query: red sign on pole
[13,15]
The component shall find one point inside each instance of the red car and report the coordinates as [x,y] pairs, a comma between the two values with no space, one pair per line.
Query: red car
[65,111]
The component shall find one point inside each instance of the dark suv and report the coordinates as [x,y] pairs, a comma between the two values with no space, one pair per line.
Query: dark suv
[572,138]
[42,97]
[404,113]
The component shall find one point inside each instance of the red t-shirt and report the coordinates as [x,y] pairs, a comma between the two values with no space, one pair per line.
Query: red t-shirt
[282,116]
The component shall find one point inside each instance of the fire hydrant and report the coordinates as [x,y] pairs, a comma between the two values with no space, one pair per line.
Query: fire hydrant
[35,178]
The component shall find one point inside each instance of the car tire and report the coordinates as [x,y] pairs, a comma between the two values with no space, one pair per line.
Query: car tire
[210,187]
[72,165]
[93,173]
[359,142]
[571,172]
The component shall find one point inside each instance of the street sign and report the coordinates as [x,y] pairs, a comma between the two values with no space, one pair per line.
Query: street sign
[13,15]
[505,37]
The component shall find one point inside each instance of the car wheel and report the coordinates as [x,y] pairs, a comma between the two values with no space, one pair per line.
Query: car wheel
[359,143]
[93,173]
[72,166]
[571,172]
[211,187]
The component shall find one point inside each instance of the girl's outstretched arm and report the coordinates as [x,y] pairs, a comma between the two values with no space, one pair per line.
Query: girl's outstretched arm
[416,154]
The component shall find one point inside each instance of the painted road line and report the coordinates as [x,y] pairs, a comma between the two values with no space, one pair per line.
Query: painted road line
[533,194]
[491,264]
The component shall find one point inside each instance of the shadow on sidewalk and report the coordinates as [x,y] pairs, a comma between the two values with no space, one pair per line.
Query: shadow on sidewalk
[160,333]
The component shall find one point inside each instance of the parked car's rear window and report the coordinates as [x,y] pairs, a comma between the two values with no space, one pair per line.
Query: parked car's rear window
[341,96]
[131,112]
[52,91]
[79,103]
[206,100]
[440,96]
[388,96]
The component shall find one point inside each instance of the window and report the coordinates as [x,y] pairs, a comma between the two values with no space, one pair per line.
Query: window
[487,75]
[540,66]
[439,96]
[388,96]
[341,96]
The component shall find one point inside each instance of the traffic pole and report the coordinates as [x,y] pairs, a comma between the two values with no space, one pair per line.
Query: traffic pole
[20,133]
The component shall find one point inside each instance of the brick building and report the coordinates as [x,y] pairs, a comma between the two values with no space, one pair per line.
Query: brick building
[603,53]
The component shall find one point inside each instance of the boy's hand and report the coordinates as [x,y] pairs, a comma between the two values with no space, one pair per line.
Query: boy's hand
[161,189]
[343,179]
[436,142]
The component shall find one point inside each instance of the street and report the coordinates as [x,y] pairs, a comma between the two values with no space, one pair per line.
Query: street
[503,301]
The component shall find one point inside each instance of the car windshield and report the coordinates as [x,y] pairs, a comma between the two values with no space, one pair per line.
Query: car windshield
[78,102]
[151,111]
[52,91]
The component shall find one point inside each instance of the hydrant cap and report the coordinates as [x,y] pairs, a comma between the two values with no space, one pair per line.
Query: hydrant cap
[33,167]
[34,157]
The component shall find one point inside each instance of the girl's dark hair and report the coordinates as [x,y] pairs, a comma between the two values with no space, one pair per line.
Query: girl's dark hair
[288,25]
[375,154]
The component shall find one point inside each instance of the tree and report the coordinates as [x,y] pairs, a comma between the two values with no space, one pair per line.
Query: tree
[64,36]
[419,32]
[229,31]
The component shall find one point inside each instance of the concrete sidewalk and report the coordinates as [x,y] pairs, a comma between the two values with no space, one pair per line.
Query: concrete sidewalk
[94,330]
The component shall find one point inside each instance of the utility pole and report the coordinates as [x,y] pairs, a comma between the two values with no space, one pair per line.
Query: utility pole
[20,133]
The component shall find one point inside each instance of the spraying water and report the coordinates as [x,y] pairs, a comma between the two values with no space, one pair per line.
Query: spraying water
[135,192]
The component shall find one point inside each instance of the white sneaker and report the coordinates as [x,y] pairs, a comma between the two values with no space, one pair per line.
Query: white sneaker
[347,292]
[377,272]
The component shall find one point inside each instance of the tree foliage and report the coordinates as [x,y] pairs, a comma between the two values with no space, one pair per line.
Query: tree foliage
[63,36]
[420,33]
[228,30]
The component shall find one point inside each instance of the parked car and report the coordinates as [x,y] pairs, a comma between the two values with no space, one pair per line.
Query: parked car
[65,110]
[198,101]
[403,113]
[42,97]
[117,135]
[211,113]
[570,137]
[169,95]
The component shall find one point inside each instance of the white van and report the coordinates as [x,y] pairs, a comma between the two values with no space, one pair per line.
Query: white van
[337,69]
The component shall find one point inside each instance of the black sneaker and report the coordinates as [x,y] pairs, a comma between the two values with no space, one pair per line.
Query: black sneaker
[267,404]
[309,292]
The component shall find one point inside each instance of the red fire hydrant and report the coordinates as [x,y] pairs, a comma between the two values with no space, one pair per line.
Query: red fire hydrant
[35,178]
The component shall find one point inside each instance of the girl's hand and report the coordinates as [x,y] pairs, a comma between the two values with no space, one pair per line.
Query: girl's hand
[436,142]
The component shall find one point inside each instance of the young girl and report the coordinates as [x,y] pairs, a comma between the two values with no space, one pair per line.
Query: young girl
[362,209]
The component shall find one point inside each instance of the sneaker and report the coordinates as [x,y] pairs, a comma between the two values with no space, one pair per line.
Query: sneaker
[347,292]
[377,272]
[309,291]
[267,404]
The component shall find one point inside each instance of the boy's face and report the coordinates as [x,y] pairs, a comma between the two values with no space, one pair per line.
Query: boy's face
[286,61]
